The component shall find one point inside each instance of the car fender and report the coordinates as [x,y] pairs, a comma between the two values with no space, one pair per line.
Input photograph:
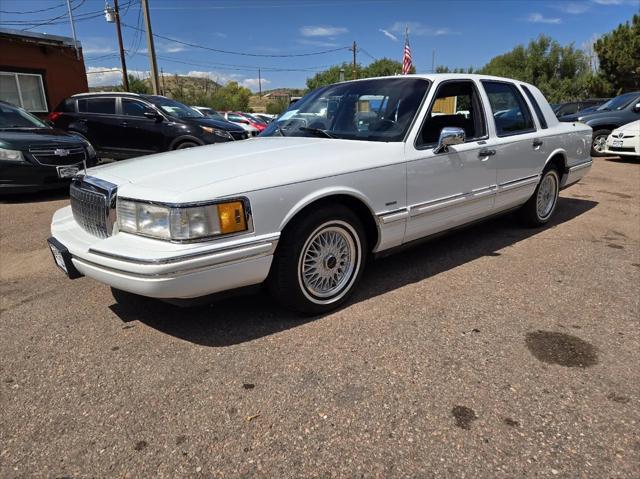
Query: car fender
[558,151]
[325,193]
[182,138]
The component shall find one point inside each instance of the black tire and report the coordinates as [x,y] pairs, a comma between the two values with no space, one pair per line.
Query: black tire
[185,144]
[530,214]
[598,142]
[291,279]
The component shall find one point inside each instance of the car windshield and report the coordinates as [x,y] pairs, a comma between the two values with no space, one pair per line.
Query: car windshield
[254,118]
[174,108]
[619,102]
[14,117]
[373,110]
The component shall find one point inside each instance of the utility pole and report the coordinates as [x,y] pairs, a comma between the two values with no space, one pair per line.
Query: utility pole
[259,84]
[162,80]
[73,29]
[151,48]
[125,77]
[354,49]
[433,61]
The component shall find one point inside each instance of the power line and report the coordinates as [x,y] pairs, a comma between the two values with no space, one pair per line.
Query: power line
[229,52]
[227,66]
[33,11]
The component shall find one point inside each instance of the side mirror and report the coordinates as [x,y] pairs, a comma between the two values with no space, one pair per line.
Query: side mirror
[449,135]
[637,108]
[153,115]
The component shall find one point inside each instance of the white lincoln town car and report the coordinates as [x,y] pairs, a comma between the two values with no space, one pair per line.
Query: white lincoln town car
[351,170]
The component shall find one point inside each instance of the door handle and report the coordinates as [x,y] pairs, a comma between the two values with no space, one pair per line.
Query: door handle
[485,152]
[537,142]
[124,123]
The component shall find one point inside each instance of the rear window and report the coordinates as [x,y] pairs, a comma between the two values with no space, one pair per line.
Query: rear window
[510,112]
[536,107]
[104,106]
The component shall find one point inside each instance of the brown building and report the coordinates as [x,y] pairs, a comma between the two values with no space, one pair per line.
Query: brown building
[38,71]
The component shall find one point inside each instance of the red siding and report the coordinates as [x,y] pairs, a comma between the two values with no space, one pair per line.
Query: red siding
[62,73]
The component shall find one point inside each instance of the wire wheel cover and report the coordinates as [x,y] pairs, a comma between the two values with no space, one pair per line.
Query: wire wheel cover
[328,261]
[547,195]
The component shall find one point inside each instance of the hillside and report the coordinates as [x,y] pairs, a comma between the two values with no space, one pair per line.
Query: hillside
[173,85]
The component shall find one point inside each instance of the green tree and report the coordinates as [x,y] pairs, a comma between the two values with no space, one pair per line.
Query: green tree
[382,67]
[561,72]
[136,85]
[277,107]
[619,55]
[331,75]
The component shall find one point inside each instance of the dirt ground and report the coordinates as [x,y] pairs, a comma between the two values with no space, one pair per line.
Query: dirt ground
[497,351]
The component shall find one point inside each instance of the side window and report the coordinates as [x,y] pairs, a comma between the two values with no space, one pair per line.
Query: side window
[133,108]
[455,104]
[536,107]
[103,106]
[510,112]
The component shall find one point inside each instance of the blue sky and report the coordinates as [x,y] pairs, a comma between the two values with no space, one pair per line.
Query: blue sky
[462,32]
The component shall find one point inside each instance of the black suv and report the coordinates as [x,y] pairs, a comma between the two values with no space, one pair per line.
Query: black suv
[34,156]
[124,125]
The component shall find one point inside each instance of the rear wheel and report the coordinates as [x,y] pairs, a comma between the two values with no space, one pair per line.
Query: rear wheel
[540,207]
[185,144]
[599,142]
[319,260]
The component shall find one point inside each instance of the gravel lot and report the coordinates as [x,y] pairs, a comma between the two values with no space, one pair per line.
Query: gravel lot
[494,352]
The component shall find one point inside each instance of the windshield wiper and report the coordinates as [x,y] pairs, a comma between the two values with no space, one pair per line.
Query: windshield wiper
[317,131]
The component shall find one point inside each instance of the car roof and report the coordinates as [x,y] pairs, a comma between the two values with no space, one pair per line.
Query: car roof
[108,93]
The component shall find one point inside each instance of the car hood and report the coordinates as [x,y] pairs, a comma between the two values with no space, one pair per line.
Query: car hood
[23,138]
[629,128]
[232,168]
[212,122]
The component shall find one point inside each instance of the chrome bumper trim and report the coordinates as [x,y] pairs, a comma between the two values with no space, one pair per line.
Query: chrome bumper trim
[269,241]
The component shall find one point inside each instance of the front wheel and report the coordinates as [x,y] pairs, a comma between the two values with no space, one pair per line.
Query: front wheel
[319,260]
[537,211]
[599,142]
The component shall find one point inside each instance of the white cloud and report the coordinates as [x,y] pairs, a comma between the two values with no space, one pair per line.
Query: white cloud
[252,83]
[539,18]
[612,2]
[317,43]
[419,29]
[388,34]
[109,76]
[574,8]
[322,31]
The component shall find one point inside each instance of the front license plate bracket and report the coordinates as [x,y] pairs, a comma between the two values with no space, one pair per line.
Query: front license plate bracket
[62,258]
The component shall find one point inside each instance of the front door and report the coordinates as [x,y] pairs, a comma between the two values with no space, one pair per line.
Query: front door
[140,135]
[451,188]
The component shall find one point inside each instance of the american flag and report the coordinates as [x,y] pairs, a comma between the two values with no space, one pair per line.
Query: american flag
[406,57]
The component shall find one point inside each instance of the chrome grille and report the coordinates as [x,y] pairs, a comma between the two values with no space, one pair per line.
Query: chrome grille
[93,206]
[46,155]
[239,135]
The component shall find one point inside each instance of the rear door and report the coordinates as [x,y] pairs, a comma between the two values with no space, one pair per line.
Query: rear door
[98,116]
[520,147]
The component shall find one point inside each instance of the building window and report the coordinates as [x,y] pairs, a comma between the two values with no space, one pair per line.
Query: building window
[23,89]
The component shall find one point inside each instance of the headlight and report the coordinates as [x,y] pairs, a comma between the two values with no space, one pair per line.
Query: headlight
[11,155]
[181,223]
[214,131]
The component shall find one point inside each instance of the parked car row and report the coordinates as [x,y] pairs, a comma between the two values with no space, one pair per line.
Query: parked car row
[609,116]
[569,108]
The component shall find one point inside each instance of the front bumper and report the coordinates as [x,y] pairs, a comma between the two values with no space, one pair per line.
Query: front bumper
[24,176]
[629,147]
[165,270]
